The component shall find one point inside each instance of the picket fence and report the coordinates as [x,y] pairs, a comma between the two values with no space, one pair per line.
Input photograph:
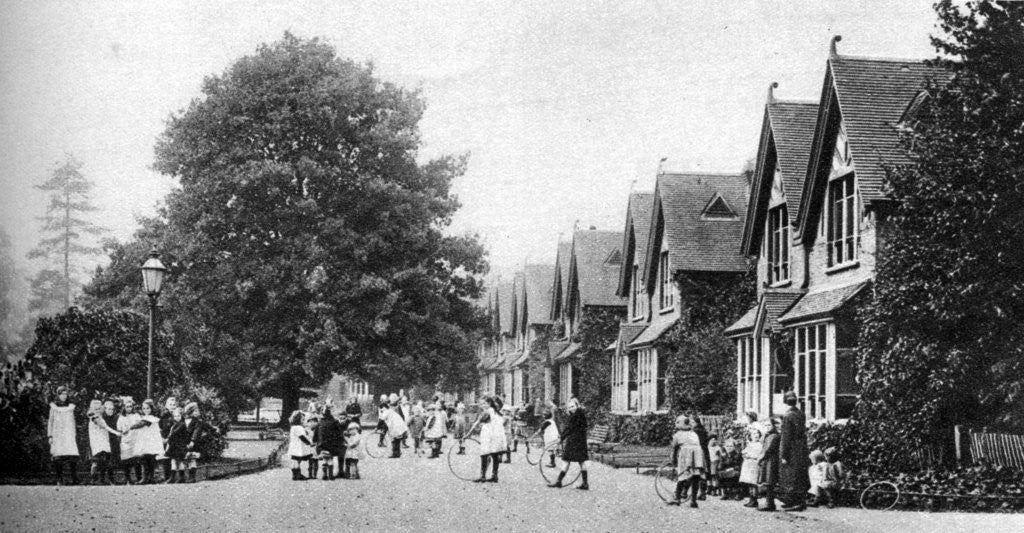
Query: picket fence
[1003,449]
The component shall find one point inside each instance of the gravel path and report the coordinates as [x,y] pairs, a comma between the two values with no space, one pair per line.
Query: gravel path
[419,494]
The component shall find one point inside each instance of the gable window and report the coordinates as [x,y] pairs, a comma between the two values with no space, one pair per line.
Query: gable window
[666,298]
[843,231]
[637,293]
[778,245]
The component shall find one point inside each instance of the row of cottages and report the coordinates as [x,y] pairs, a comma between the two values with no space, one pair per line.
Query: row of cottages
[687,231]
[817,225]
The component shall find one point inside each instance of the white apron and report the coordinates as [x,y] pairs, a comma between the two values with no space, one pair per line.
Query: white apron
[61,429]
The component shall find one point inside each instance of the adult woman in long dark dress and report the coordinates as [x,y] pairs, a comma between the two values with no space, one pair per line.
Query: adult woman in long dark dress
[574,444]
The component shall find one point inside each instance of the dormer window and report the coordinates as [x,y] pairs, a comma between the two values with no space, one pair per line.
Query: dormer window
[666,298]
[638,309]
[778,245]
[718,209]
[842,228]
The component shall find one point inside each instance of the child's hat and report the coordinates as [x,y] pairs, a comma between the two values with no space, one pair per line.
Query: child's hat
[683,423]
[817,456]
[830,451]
[354,425]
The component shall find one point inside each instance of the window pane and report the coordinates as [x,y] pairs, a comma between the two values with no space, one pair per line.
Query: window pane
[800,340]
[821,336]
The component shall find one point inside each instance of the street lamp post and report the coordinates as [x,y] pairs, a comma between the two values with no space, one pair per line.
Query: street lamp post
[152,279]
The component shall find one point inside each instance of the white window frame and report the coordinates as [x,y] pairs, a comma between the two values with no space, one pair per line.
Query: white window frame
[749,375]
[777,235]
[666,298]
[842,206]
[813,347]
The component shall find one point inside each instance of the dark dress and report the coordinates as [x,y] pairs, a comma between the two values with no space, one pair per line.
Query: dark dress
[115,441]
[330,437]
[574,438]
[793,479]
[768,464]
[702,436]
[178,438]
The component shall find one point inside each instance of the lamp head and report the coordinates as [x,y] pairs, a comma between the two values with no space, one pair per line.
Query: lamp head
[153,273]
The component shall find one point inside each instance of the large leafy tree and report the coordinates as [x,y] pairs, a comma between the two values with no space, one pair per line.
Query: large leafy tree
[65,237]
[943,342]
[305,237]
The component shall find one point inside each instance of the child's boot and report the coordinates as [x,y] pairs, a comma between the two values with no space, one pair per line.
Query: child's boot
[313,469]
[58,469]
[558,482]
[678,494]
[191,475]
[167,470]
[830,498]
[462,450]
[494,469]
[585,485]
[483,469]
[515,445]
[508,457]
[703,490]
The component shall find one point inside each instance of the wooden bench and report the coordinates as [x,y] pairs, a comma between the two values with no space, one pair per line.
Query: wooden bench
[271,433]
[597,439]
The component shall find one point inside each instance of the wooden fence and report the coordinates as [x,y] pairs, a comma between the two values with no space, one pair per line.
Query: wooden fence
[1003,449]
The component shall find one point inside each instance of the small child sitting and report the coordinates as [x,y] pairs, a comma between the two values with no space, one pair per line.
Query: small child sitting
[816,474]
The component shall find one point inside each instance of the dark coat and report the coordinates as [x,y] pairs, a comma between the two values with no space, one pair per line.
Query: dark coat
[330,437]
[574,438]
[354,412]
[178,438]
[702,436]
[166,423]
[793,478]
[768,464]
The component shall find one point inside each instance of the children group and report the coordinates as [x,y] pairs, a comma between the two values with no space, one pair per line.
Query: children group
[132,437]
[749,468]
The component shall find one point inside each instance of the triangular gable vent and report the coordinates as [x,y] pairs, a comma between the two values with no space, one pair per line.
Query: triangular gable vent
[717,208]
[614,258]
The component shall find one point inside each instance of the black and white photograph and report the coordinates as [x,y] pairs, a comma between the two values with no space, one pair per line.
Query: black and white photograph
[466,266]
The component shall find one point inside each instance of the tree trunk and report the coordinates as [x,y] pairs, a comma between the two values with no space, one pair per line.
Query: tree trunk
[289,391]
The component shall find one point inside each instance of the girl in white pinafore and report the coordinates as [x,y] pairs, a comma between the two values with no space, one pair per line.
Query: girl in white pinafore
[492,438]
[60,428]
[129,459]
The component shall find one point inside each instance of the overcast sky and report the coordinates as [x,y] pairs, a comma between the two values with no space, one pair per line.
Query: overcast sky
[561,105]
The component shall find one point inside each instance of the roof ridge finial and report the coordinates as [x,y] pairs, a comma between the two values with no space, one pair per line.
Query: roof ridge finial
[832,53]
[661,165]
[771,91]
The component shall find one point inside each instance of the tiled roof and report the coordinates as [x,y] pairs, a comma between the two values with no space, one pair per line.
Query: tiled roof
[595,276]
[638,218]
[788,126]
[629,332]
[873,95]
[654,331]
[567,353]
[696,242]
[821,304]
[555,348]
[536,294]
[792,126]
[745,324]
[504,303]
[521,360]
[562,258]
[776,303]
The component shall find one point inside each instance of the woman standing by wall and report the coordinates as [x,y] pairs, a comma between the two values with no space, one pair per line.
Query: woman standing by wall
[574,444]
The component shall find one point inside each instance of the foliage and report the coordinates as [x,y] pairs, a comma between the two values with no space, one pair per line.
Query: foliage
[942,343]
[101,352]
[537,364]
[305,239]
[213,411]
[701,361]
[23,414]
[63,231]
[650,429]
[599,327]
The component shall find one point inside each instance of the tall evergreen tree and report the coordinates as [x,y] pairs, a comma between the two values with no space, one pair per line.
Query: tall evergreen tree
[944,337]
[64,240]
[7,280]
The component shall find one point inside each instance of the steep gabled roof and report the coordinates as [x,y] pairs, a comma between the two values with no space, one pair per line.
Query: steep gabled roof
[696,242]
[870,96]
[505,303]
[517,301]
[638,229]
[536,294]
[560,285]
[786,134]
[591,274]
